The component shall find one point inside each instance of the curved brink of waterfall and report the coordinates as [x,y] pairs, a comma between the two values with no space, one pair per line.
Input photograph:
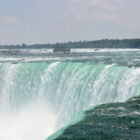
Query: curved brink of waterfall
[54,92]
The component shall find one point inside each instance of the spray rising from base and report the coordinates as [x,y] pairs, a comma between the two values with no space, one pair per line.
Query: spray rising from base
[33,122]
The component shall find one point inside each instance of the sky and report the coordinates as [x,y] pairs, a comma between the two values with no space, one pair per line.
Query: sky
[51,21]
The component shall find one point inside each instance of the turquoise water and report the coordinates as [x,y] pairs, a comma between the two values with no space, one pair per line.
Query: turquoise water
[39,96]
[64,88]
[112,121]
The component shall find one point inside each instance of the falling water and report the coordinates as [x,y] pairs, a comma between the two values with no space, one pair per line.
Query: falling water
[38,98]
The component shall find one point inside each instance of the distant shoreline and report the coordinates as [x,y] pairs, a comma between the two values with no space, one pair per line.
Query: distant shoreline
[105,43]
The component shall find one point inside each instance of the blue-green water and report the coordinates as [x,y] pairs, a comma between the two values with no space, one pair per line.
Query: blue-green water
[111,121]
[39,95]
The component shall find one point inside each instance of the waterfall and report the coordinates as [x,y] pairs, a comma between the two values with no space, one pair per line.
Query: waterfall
[36,99]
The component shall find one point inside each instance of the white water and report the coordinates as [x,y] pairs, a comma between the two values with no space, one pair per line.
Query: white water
[38,98]
[34,122]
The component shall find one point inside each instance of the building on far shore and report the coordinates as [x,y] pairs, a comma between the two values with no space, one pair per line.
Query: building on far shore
[61,49]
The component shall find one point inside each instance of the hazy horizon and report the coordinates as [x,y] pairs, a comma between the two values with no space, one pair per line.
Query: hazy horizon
[53,43]
[44,21]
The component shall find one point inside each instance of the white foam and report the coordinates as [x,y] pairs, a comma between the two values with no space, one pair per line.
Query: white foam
[34,122]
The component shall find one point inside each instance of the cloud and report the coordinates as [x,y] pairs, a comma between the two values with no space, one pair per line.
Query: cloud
[8,20]
[103,5]
[121,12]
[92,9]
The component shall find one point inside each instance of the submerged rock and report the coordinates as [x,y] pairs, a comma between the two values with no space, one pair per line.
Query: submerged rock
[114,121]
[61,49]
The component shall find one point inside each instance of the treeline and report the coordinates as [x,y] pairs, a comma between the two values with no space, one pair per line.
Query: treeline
[106,43]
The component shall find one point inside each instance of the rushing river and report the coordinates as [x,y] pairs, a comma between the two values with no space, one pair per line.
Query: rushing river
[40,91]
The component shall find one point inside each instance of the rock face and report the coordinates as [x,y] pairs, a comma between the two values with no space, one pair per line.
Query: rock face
[114,121]
[61,49]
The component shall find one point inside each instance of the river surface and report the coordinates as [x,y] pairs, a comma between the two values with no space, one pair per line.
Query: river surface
[41,91]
